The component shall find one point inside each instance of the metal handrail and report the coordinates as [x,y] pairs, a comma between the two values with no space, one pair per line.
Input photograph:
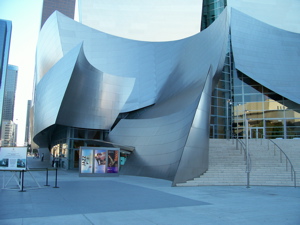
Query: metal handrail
[247,158]
[293,172]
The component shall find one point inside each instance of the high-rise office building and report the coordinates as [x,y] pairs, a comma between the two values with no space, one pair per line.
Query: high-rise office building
[27,139]
[67,7]
[5,36]
[9,133]
[10,93]
[9,128]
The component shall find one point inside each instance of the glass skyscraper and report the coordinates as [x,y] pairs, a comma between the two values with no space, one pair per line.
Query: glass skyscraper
[5,36]
[9,93]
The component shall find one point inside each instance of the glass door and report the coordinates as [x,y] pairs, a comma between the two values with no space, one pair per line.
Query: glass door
[74,159]
[256,132]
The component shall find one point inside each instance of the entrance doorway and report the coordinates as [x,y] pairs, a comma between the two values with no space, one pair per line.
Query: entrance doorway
[74,159]
[256,132]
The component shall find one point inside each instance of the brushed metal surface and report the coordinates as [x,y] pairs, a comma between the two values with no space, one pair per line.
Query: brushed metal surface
[93,76]
[267,54]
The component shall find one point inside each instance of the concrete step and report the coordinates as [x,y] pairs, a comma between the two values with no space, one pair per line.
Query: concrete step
[227,165]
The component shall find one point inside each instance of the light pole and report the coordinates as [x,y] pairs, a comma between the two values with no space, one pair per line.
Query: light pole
[247,148]
[228,103]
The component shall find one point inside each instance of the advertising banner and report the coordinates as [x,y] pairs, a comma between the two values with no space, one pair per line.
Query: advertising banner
[113,161]
[13,158]
[86,161]
[99,161]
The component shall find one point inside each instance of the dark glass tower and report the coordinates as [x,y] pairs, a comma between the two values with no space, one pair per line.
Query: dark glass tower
[67,7]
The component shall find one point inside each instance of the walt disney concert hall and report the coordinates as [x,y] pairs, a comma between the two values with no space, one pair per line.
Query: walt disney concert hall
[143,82]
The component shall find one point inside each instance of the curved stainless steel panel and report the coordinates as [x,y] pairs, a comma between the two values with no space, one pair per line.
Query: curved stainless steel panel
[267,54]
[101,75]
[79,95]
[280,14]
[49,49]
[159,141]
[194,159]
[150,63]
[93,99]
[171,137]
[50,91]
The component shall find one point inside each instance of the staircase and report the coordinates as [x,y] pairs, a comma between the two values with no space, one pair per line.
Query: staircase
[227,165]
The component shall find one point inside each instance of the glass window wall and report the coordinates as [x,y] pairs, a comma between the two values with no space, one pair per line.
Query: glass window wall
[266,111]
[293,128]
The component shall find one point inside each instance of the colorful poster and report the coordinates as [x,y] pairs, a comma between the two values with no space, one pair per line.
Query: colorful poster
[87,161]
[113,161]
[100,161]
[13,158]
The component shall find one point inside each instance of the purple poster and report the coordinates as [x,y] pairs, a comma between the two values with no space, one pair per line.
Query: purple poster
[113,161]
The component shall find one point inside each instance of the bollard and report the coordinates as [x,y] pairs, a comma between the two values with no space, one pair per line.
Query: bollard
[248,179]
[46,178]
[55,179]
[22,182]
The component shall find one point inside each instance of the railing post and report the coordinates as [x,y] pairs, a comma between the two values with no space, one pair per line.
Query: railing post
[227,118]
[22,181]
[241,148]
[293,172]
[248,179]
[247,150]
[55,179]
[47,177]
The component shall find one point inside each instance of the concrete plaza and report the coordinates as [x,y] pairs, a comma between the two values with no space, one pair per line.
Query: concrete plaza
[139,200]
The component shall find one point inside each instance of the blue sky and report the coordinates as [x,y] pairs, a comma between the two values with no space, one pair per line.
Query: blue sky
[26,18]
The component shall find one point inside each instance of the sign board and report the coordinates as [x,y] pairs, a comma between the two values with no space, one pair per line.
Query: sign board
[13,158]
[99,161]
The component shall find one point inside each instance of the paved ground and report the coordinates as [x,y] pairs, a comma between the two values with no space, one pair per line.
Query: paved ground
[133,200]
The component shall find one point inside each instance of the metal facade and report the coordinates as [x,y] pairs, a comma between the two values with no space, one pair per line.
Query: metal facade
[272,57]
[85,78]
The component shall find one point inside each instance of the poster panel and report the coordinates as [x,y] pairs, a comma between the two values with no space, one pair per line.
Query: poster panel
[113,161]
[100,161]
[13,158]
[86,160]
